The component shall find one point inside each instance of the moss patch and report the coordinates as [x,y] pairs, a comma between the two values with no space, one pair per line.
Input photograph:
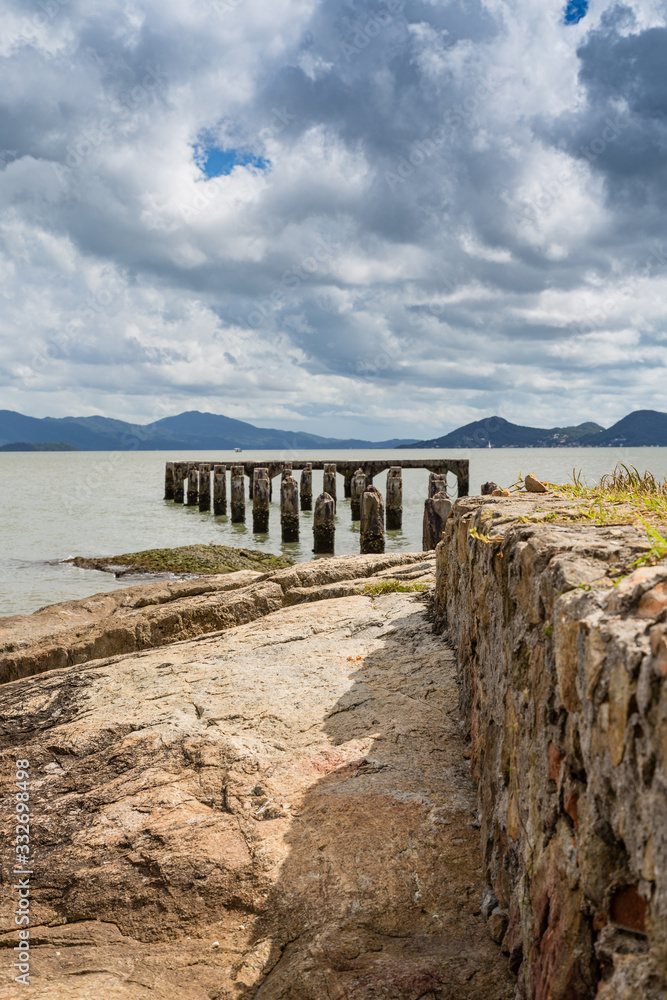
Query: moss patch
[194,559]
[394,587]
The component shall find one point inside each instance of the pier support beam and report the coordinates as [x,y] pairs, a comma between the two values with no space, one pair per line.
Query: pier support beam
[238,494]
[286,470]
[347,484]
[193,485]
[357,488]
[329,480]
[324,524]
[219,490]
[204,486]
[306,487]
[289,509]
[261,487]
[394,498]
[372,521]
[169,481]
[436,512]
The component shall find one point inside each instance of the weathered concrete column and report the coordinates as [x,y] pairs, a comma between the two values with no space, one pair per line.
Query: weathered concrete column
[180,472]
[372,521]
[358,486]
[219,490]
[306,487]
[238,494]
[437,483]
[286,470]
[289,509]
[193,485]
[204,486]
[324,523]
[347,487]
[260,500]
[169,481]
[436,512]
[329,480]
[394,498]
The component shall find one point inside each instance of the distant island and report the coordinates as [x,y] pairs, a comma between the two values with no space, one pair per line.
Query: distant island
[214,432]
[184,432]
[642,428]
[38,446]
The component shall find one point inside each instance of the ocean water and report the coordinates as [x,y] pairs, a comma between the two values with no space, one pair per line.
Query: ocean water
[60,504]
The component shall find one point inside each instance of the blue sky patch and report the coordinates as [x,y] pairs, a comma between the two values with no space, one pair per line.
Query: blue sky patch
[215,162]
[575,10]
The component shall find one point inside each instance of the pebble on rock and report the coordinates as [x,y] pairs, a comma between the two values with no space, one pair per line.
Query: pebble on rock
[533,485]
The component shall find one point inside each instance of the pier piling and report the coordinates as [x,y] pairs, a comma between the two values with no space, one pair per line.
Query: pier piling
[169,481]
[193,485]
[180,472]
[329,480]
[289,509]
[394,498]
[238,494]
[372,521]
[436,512]
[204,486]
[324,524]
[260,500]
[219,490]
[357,488]
[437,483]
[306,487]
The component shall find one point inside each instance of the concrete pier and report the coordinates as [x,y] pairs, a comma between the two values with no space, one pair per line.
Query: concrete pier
[261,487]
[286,470]
[348,475]
[180,472]
[193,485]
[436,512]
[324,524]
[204,486]
[372,521]
[238,494]
[329,480]
[394,495]
[357,488]
[437,483]
[306,487]
[169,481]
[219,490]
[289,509]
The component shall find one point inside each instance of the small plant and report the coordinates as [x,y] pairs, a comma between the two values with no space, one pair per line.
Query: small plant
[486,539]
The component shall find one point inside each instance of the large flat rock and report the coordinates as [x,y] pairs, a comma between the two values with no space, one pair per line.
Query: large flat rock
[282,810]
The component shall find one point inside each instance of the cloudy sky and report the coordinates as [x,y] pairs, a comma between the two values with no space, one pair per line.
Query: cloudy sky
[379,217]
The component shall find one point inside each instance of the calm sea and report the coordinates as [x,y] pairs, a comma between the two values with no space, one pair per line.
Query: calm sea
[61,504]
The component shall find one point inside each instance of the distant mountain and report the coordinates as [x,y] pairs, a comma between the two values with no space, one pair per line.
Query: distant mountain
[38,446]
[639,429]
[187,431]
[500,433]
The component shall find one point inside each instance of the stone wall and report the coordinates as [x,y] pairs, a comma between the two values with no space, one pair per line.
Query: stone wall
[564,692]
